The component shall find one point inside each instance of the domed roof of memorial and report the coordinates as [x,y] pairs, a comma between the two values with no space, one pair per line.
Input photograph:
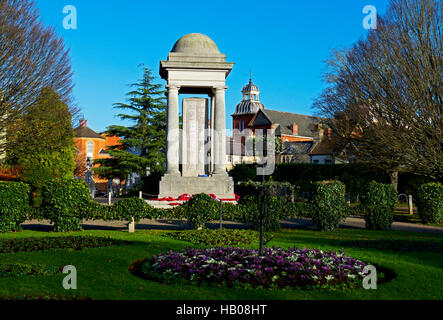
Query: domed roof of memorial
[195,44]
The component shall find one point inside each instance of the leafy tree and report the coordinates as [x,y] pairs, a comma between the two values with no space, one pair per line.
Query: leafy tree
[32,57]
[41,141]
[143,145]
[385,94]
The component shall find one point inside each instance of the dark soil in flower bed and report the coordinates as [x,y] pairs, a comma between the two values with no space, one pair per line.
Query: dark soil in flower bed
[19,269]
[396,245]
[244,268]
[73,242]
[223,237]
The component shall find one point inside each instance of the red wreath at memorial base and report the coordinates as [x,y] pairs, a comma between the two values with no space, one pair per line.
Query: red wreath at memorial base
[185,197]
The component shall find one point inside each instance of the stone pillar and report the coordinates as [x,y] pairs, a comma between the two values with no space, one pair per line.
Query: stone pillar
[220,132]
[211,162]
[173,138]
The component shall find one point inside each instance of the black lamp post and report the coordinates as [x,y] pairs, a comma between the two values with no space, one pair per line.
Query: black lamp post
[89,180]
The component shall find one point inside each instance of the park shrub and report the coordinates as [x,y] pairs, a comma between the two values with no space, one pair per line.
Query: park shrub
[10,270]
[430,202]
[243,172]
[200,209]
[14,205]
[38,169]
[329,206]
[217,237]
[378,205]
[124,210]
[71,242]
[249,211]
[130,208]
[169,213]
[355,176]
[66,202]
[233,212]
[297,209]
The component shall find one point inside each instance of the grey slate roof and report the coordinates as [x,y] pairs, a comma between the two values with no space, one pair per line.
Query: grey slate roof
[307,125]
[297,148]
[324,147]
[85,132]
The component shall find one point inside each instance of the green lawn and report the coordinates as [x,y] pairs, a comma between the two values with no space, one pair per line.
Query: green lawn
[103,272]
[414,218]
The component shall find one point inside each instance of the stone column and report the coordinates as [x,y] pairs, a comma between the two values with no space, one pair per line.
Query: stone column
[220,132]
[211,161]
[173,138]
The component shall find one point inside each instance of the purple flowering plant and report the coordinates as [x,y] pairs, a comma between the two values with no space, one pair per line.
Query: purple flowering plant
[245,268]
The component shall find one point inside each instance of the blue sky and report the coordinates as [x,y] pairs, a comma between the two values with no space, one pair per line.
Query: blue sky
[285,44]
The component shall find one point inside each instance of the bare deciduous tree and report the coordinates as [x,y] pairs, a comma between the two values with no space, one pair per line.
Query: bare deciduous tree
[385,94]
[32,57]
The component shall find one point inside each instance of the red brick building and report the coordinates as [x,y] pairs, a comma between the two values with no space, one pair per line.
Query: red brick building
[91,146]
[292,128]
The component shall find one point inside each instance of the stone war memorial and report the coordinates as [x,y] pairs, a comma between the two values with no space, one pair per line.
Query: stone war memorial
[196,153]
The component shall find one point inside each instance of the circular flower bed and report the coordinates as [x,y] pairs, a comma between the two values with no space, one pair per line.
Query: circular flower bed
[276,268]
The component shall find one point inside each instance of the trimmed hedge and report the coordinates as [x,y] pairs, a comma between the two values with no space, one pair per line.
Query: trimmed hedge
[217,237]
[430,202]
[127,209]
[66,202]
[46,243]
[356,177]
[329,206]
[250,211]
[14,205]
[247,211]
[20,269]
[378,205]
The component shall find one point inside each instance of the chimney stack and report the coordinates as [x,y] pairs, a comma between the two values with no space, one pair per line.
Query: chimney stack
[83,122]
[294,129]
[320,131]
[328,132]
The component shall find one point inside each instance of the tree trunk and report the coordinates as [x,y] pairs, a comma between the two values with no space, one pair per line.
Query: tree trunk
[394,179]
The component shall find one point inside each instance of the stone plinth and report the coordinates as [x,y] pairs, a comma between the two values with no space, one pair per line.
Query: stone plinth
[175,185]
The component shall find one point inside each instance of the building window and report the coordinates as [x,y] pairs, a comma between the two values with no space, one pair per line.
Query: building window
[315,161]
[90,150]
[328,161]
